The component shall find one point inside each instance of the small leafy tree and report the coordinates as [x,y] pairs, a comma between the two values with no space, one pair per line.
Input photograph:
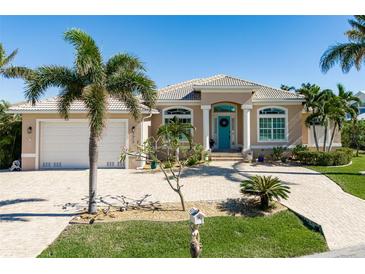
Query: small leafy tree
[162,151]
[10,136]
[266,187]
[353,135]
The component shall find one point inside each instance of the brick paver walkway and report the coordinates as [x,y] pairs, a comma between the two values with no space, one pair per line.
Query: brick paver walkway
[341,215]
[31,214]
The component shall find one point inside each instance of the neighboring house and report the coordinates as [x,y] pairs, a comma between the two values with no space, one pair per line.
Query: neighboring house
[361,95]
[229,114]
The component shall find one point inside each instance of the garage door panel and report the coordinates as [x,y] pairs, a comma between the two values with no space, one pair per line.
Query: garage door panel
[66,144]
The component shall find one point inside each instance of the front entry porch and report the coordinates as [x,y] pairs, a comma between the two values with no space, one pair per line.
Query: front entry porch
[229,130]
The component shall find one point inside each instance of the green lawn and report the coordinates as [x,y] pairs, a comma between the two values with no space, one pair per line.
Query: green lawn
[348,178]
[280,235]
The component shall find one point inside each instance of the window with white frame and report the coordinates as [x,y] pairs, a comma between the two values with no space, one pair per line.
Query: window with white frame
[272,124]
[184,115]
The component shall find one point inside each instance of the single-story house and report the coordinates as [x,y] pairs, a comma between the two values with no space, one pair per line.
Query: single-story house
[229,114]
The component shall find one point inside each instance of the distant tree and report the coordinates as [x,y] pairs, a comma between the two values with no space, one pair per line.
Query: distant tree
[353,135]
[347,54]
[343,103]
[287,88]
[10,136]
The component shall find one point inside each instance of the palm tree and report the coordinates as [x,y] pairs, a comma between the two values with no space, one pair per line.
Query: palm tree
[266,187]
[347,54]
[9,71]
[175,131]
[92,81]
[324,111]
[344,103]
[312,96]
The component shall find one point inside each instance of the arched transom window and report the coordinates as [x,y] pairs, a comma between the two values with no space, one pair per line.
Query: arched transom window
[272,123]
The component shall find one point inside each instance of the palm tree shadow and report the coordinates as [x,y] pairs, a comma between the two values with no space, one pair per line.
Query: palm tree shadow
[21,217]
[230,174]
[17,201]
[245,206]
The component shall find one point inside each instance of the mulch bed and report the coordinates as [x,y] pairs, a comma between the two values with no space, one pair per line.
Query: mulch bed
[168,212]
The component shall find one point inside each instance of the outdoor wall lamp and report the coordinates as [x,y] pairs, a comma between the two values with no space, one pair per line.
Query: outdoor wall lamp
[29,130]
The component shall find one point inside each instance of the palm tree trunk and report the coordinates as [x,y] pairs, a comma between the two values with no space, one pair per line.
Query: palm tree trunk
[315,136]
[332,137]
[264,202]
[93,165]
[325,137]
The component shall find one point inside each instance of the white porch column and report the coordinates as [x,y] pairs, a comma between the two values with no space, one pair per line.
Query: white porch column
[206,137]
[246,127]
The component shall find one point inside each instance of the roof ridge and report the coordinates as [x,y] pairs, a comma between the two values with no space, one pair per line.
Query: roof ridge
[192,81]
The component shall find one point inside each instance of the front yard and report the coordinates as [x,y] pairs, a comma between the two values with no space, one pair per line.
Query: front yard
[280,235]
[348,177]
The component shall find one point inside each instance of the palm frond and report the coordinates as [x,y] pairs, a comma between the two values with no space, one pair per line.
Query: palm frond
[45,77]
[17,72]
[6,60]
[95,99]
[347,54]
[122,62]
[127,85]
[67,96]
[88,61]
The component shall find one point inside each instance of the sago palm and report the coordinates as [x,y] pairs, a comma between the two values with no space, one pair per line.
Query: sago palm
[266,187]
[92,81]
[347,54]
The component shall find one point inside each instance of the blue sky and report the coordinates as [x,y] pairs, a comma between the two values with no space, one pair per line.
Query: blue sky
[271,50]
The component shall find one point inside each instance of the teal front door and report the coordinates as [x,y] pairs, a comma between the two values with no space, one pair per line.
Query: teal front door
[224,129]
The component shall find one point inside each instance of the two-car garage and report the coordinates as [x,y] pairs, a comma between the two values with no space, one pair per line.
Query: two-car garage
[65,144]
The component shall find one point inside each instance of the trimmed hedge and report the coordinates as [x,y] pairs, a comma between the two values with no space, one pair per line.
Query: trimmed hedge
[341,156]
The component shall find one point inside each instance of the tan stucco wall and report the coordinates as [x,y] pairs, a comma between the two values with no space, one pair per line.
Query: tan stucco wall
[29,140]
[294,126]
[210,98]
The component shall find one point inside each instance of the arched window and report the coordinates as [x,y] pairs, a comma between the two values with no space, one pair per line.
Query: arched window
[272,124]
[183,114]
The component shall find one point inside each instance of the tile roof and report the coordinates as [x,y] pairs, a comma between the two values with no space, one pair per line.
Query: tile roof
[188,90]
[51,105]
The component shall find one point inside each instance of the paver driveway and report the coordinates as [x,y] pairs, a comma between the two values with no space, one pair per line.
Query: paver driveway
[31,214]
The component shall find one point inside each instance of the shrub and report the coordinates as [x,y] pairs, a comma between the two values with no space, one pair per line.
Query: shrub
[197,155]
[341,156]
[297,149]
[277,152]
[266,187]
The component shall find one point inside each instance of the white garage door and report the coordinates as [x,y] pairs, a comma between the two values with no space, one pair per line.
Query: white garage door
[66,144]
